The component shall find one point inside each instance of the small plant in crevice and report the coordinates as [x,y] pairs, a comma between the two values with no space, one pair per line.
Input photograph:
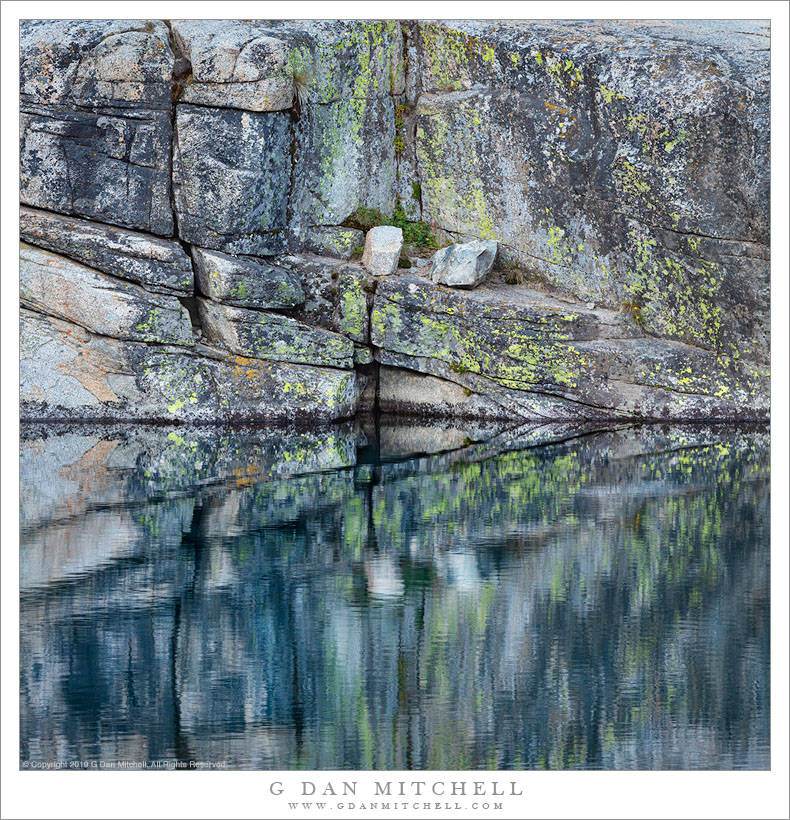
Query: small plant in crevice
[635,309]
[419,234]
[400,129]
[302,75]
[301,82]
[514,276]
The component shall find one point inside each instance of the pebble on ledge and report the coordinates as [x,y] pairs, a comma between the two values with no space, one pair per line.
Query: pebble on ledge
[382,250]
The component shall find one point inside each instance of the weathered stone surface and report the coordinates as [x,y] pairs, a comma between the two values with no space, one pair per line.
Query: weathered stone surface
[622,167]
[337,294]
[245,282]
[339,75]
[464,265]
[95,124]
[272,336]
[410,393]
[382,249]
[102,304]
[596,153]
[233,66]
[230,179]
[158,264]
[344,159]
[256,64]
[116,63]
[113,168]
[68,373]
[542,358]
[334,241]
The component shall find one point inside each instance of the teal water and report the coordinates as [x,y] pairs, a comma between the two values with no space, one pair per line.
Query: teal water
[396,596]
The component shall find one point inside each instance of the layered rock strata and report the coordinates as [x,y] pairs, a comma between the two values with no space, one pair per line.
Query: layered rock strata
[189,191]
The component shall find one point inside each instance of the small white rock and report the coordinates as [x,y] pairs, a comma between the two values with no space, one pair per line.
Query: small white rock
[382,249]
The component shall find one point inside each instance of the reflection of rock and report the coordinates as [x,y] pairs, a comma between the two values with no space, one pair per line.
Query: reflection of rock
[68,472]
[398,440]
[276,619]
[74,548]
[384,578]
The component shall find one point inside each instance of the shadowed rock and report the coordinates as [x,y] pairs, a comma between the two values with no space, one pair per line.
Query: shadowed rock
[231,176]
[332,241]
[95,125]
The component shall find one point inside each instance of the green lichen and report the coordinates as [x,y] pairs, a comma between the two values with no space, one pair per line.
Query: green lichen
[677,296]
[352,303]
[562,71]
[180,381]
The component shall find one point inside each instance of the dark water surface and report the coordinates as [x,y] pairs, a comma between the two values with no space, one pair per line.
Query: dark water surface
[396,597]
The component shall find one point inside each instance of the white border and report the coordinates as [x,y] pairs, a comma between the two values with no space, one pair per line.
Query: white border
[246,794]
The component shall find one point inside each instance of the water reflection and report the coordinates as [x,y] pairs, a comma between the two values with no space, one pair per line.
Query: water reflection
[353,597]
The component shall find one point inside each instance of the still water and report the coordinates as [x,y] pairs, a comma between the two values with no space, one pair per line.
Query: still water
[396,596]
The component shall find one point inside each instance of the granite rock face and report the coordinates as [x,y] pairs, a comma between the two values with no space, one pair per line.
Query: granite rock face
[67,373]
[158,264]
[338,296]
[540,357]
[95,120]
[98,302]
[625,163]
[245,282]
[332,241]
[271,336]
[230,179]
[618,173]
[231,67]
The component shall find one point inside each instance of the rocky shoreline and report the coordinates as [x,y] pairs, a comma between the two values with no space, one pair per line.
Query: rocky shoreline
[196,196]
